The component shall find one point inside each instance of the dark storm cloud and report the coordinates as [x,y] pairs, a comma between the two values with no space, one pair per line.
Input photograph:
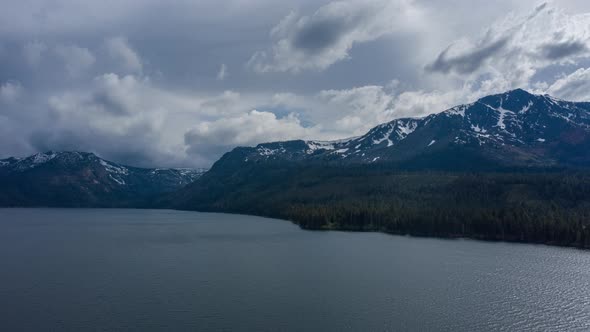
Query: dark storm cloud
[320,35]
[109,104]
[132,148]
[316,41]
[468,62]
[560,50]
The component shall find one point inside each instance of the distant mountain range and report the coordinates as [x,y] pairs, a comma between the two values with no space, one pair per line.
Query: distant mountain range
[80,179]
[513,166]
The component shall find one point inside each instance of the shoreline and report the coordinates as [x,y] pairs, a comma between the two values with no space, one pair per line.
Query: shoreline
[325,229]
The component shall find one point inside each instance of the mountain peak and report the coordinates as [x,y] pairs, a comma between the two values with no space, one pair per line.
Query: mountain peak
[510,95]
[518,91]
[513,128]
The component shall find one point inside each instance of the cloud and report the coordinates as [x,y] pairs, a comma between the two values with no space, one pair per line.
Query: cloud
[129,119]
[118,95]
[359,109]
[109,95]
[33,51]
[354,111]
[10,91]
[317,41]
[222,73]
[122,118]
[76,59]
[575,86]
[560,50]
[513,49]
[11,138]
[119,49]
[159,126]
[211,139]
[468,61]
[333,114]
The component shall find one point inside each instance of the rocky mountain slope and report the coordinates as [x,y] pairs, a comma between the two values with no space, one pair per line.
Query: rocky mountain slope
[515,128]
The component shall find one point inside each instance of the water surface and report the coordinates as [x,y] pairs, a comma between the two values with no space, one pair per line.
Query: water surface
[150,270]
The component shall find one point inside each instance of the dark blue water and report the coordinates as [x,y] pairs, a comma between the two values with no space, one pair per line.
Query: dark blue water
[144,270]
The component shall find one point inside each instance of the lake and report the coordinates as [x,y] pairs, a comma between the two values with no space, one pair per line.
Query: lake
[150,270]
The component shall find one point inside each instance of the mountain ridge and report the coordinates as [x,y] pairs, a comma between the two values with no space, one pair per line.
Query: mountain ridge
[509,167]
[73,178]
[522,129]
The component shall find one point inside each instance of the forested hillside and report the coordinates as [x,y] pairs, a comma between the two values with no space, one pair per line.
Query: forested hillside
[549,206]
[513,166]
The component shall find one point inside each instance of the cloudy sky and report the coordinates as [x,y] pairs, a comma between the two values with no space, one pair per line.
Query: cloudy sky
[178,83]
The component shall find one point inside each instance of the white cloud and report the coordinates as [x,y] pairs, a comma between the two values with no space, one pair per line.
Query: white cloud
[248,129]
[575,87]
[76,59]
[183,128]
[511,51]
[354,111]
[319,40]
[421,103]
[149,122]
[119,49]
[222,73]
[332,114]
[120,95]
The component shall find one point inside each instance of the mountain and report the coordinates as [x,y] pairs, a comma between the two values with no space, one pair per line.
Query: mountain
[513,166]
[83,179]
[513,129]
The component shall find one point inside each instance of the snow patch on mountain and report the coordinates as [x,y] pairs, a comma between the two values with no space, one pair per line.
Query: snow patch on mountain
[117,179]
[526,108]
[41,158]
[313,146]
[553,100]
[457,110]
[386,136]
[118,170]
[383,133]
[266,151]
[192,172]
[477,129]
[406,128]
[502,115]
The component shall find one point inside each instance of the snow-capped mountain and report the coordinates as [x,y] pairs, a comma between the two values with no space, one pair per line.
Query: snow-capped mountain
[515,128]
[83,179]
